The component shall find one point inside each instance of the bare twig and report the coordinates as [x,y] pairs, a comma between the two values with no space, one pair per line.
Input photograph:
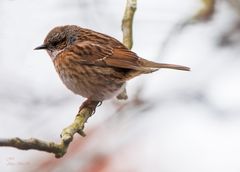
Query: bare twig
[59,149]
[127,21]
[86,109]
[32,143]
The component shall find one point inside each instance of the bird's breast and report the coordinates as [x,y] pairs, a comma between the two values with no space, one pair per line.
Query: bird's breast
[95,82]
[54,53]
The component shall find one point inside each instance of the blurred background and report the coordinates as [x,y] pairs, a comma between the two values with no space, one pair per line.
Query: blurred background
[173,120]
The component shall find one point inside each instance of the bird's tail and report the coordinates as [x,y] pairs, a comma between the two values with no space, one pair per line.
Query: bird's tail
[154,65]
[150,66]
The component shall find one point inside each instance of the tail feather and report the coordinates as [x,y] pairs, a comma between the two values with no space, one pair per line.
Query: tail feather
[147,66]
[154,65]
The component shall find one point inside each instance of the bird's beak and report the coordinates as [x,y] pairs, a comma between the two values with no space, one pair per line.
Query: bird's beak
[41,47]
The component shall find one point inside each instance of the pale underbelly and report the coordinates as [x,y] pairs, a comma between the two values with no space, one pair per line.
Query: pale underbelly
[94,87]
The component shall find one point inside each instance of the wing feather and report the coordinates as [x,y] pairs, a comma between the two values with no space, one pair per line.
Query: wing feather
[90,53]
[96,54]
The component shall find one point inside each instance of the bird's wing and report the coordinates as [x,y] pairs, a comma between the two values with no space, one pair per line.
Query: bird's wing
[91,53]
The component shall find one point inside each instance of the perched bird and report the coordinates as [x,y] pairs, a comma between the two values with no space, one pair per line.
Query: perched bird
[95,65]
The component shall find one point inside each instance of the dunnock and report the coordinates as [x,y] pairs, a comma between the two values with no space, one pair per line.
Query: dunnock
[95,65]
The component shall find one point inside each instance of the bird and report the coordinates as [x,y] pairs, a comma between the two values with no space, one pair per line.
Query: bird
[95,65]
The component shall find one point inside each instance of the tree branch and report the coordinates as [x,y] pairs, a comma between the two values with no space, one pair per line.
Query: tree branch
[86,110]
[59,149]
[25,144]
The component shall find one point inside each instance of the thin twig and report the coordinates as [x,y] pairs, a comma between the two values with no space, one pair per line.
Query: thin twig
[127,22]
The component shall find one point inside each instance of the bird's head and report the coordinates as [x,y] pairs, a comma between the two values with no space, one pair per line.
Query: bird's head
[58,39]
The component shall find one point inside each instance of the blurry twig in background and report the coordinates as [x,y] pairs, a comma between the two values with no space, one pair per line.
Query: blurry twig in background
[203,15]
[235,4]
[86,110]
[206,12]
[232,35]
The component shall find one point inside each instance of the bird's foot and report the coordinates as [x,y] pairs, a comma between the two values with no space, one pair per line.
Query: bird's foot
[90,104]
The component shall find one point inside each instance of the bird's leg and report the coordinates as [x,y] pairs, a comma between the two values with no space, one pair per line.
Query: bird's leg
[86,110]
[123,95]
[91,105]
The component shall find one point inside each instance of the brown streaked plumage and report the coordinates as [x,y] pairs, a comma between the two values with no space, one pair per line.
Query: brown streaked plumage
[94,65]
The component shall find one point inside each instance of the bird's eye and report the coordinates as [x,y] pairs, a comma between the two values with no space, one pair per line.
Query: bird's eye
[72,39]
[54,43]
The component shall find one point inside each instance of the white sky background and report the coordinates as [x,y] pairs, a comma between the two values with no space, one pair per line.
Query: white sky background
[193,123]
